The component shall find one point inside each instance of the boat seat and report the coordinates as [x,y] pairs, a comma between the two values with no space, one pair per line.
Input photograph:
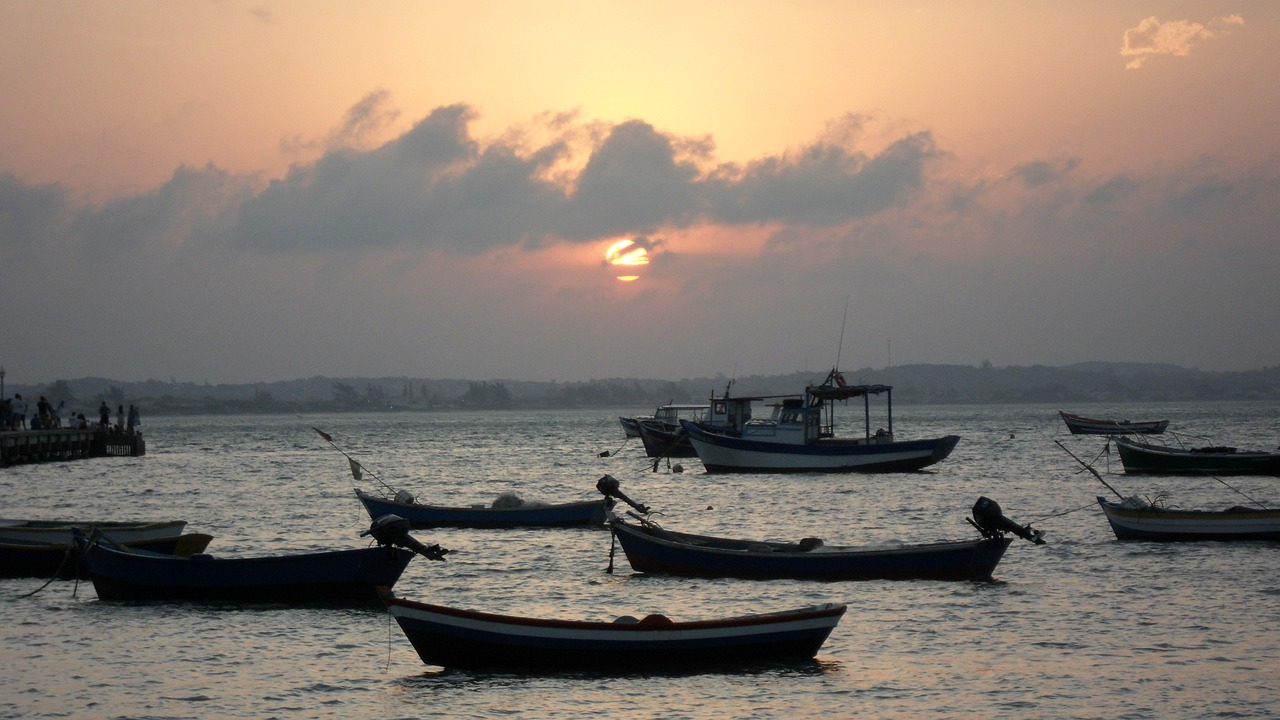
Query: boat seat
[810,543]
[657,619]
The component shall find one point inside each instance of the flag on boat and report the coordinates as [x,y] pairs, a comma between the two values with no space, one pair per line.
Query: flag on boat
[355,469]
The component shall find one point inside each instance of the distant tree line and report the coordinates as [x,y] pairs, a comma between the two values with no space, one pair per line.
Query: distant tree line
[920,384]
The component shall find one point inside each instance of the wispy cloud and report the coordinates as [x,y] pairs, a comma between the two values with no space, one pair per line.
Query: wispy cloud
[1152,37]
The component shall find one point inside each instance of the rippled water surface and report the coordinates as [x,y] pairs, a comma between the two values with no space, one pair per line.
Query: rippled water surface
[1083,627]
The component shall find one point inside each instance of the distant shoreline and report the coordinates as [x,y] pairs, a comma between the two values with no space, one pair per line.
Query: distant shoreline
[1095,382]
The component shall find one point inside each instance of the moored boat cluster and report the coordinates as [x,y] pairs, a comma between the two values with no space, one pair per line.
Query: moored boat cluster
[159,561]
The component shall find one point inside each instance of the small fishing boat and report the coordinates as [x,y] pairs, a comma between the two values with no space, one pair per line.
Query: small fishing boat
[660,442]
[121,573]
[799,437]
[49,532]
[508,510]
[631,425]
[1146,458]
[46,560]
[467,639]
[1136,519]
[662,435]
[652,549]
[1080,425]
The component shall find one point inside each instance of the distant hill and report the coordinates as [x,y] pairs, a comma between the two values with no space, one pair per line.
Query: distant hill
[920,384]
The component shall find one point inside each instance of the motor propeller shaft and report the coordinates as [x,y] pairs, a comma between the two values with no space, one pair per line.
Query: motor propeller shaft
[991,522]
[610,487]
[394,530]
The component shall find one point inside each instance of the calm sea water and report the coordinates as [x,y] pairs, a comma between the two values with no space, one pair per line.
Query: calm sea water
[1083,627]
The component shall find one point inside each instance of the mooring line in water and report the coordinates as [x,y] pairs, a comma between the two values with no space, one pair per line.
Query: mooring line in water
[606,453]
[65,556]
[1064,512]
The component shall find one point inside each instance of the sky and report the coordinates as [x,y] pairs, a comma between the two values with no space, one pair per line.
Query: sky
[225,192]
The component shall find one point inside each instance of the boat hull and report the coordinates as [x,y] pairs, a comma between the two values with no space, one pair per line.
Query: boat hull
[630,426]
[62,560]
[590,512]
[1143,458]
[454,638]
[1166,525]
[321,577]
[724,453]
[659,442]
[652,550]
[1080,425]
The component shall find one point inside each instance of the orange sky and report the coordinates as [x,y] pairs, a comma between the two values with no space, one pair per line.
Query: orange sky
[939,163]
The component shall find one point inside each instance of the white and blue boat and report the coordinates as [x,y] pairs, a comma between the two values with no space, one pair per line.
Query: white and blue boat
[799,436]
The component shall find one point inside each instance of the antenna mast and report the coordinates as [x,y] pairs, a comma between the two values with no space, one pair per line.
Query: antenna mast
[840,349]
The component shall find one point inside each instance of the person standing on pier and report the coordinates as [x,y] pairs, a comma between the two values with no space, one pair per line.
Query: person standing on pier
[104,414]
[119,418]
[134,419]
[19,412]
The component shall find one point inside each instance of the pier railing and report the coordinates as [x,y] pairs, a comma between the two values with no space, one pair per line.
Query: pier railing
[25,446]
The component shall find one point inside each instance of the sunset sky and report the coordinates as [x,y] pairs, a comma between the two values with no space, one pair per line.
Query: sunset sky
[230,191]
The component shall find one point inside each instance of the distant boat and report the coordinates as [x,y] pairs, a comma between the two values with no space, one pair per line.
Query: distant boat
[631,425]
[651,548]
[799,437]
[1080,425]
[1134,518]
[661,432]
[507,511]
[1137,519]
[1140,457]
[660,442]
[467,639]
[121,573]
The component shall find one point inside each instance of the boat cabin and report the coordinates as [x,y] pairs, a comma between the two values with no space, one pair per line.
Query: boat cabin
[810,418]
[803,419]
[732,413]
[671,415]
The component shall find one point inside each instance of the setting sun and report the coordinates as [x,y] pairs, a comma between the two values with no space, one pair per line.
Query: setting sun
[627,254]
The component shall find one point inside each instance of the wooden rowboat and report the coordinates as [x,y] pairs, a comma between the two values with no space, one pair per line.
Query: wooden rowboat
[498,515]
[1147,458]
[1137,519]
[121,573]
[59,531]
[653,549]
[45,560]
[1080,425]
[467,639]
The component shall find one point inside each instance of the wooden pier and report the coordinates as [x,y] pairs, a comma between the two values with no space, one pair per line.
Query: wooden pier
[26,446]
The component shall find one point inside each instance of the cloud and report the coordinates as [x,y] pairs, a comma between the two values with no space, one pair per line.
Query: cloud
[1041,172]
[437,186]
[1175,37]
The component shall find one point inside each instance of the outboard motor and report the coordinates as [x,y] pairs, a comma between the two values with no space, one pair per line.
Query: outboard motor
[394,530]
[991,522]
[610,487]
